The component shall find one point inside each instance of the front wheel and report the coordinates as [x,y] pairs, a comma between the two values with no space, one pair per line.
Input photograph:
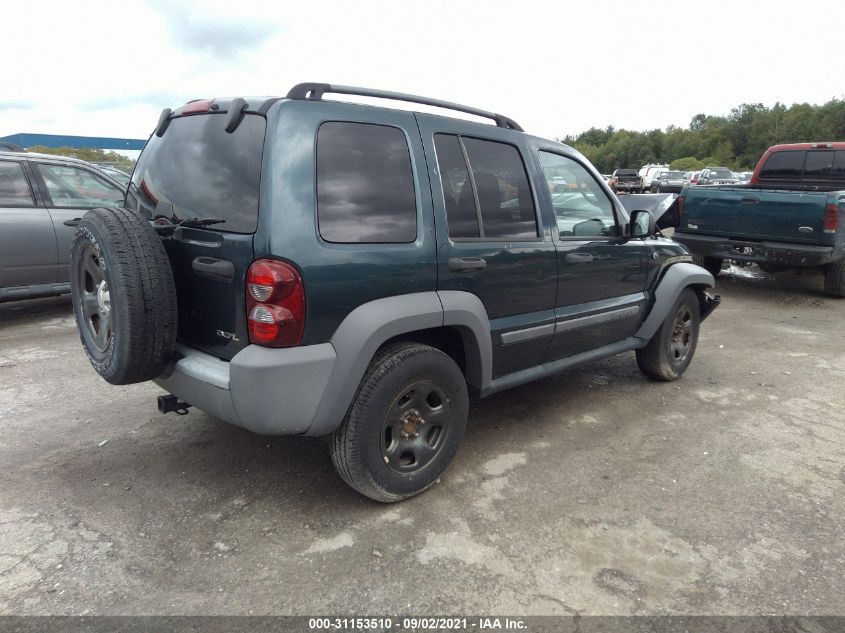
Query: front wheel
[404,425]
[712,265]
[670,351]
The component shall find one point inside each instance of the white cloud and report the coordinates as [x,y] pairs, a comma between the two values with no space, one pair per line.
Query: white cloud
[556,67]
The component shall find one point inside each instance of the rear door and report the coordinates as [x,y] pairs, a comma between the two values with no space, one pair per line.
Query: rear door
[491,241]
[27,240]
[69,191]
[198,170]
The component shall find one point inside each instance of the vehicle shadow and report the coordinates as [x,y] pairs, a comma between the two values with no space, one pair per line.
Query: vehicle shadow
[14,312]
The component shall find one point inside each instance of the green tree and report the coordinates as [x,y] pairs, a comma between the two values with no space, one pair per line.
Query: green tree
[90,154]
[687,163]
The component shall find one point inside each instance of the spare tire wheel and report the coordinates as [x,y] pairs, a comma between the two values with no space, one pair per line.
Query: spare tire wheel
[124,298]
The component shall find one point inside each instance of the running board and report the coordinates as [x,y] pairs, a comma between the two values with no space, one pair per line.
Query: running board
[556,366]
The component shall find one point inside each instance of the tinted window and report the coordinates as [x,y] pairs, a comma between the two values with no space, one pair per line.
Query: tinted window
[75,187]
[583,209]
[625,172]
[721,172]
[783,166]
[461,213]
[14,190]
[365,185]
[203,171]
[818,165]
[504,196]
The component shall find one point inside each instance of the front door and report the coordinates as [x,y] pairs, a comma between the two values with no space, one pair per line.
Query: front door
[491,241]
[601,275]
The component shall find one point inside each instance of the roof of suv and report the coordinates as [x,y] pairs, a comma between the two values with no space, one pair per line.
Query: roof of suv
[236,106]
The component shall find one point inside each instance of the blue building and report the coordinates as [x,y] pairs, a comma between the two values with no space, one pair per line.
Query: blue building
[61,140]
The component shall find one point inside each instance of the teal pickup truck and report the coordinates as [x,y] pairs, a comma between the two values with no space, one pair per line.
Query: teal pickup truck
[789,215]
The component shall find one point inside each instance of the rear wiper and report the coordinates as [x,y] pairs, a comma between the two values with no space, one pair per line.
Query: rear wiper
[200,222]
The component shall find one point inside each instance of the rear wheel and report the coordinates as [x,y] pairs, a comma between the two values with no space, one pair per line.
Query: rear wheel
[712,265]
[124,299]
[404,425]
[670,351]
[834,279]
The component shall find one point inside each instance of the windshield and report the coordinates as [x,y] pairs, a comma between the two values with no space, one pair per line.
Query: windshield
[721,173]
[198,170]
[672,175]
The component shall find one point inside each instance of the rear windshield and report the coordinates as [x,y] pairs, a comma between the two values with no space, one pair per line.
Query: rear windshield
[203,172]
[672,175]
[805,165]
[626,172]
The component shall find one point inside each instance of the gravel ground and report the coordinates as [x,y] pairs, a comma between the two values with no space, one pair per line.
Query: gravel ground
[594,492]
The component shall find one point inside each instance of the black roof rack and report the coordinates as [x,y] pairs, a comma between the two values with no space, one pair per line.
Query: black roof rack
[315,92]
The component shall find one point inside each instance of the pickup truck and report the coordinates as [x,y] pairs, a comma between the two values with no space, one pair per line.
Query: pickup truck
[626,180]
[789,215]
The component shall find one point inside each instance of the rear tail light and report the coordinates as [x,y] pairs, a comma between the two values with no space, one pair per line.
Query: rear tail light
[831,219]
[275,304]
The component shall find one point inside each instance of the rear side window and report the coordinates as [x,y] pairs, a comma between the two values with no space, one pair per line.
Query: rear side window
[783,166]
[461,212]
[365,184]
[497,191]
[14,189]
[198,170]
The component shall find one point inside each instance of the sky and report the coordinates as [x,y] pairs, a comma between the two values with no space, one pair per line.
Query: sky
[557,68]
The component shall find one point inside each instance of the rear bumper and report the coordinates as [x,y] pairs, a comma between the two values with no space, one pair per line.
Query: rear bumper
[267,391]
[783,253]
[627,186]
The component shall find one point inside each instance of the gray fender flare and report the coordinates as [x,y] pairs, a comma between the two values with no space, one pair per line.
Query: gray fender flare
[672,284]
[370,325]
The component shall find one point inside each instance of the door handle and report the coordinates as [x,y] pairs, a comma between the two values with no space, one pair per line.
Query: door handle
[578,258]
[220,269]
[461,264]
[73,222]
[750,200]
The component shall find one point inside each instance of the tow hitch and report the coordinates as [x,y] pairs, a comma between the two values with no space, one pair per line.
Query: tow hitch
[170,403]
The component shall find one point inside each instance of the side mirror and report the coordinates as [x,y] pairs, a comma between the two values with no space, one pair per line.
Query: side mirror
[642,224]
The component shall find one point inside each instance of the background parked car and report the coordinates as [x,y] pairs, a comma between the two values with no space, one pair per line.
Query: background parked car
[41,198]
[717,176]
[648,172]
[626,180]
[668,181]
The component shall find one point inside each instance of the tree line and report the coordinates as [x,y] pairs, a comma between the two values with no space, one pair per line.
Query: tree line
[736,141]
[92,155]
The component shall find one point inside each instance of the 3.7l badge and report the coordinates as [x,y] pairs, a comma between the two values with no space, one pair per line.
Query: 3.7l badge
[229,335]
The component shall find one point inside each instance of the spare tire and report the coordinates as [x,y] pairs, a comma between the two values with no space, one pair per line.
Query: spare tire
[124,298]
